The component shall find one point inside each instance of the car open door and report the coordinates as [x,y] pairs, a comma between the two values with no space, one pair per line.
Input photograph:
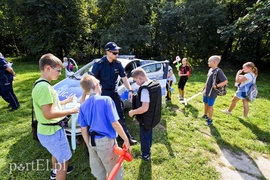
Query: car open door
[157,71]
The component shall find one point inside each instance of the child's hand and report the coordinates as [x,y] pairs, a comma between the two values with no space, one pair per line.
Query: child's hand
[131,113]
[240,71]
[69,99]
[127,146]
[75,110]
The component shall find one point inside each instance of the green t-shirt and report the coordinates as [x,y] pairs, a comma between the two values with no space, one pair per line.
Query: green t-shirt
[43,94]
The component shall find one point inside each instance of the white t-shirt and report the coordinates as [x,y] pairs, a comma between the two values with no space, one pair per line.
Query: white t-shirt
[250,77]
[145,95]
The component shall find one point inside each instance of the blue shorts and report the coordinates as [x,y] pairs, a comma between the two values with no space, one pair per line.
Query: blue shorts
[240,94]
[57,144]
[209,101]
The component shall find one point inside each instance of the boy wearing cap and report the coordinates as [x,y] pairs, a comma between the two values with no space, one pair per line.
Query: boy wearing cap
[107,71]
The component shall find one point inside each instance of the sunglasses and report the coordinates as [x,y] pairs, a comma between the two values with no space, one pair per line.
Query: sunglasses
[58,70]
[114,53]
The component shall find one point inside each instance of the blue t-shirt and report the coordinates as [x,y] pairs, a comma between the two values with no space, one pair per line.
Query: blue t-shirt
[107,73]
[98,112]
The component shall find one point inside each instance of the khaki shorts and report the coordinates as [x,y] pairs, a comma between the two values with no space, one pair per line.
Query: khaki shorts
[103,159]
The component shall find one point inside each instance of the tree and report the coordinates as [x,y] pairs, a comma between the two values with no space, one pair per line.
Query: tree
[251,32]
[49,26]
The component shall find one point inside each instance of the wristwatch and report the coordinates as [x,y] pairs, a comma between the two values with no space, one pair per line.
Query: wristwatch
[130,91]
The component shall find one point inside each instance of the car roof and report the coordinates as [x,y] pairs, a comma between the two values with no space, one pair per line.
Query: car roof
[125,59]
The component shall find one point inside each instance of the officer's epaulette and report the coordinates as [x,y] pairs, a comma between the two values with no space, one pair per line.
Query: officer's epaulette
[100,61]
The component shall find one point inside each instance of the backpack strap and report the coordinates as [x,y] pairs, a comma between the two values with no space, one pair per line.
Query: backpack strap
[42,80]
[214,81]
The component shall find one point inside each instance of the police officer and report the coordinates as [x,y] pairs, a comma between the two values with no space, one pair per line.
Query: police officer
[107,71]
[6,78]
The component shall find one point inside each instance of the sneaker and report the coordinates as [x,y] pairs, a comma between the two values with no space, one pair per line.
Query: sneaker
[203,116]
[147,158]
[226,112]
[209,122]
[69,170]
[132,142]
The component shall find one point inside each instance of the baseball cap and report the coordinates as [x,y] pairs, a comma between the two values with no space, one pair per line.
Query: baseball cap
[111,46]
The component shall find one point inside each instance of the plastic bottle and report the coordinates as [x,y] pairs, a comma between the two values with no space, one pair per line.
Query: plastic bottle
[75,99]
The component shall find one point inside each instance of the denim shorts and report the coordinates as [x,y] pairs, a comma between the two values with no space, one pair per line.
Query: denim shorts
[240,94]
[57,145]
[209,101]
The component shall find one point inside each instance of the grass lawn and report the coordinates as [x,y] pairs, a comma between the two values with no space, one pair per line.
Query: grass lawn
[184,147]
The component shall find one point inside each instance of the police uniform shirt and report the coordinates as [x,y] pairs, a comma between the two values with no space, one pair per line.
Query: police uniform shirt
[3,65]
[3,71]
[107,73]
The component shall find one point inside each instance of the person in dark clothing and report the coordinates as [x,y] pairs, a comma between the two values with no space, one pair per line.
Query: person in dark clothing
[7,75]
[183,72]
[147,109]
[107,71]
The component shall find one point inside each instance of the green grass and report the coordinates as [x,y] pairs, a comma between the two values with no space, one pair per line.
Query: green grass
[183,146]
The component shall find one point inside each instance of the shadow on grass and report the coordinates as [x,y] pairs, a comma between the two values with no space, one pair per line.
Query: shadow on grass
[244,165]
[145,170]
[27,159]
[160,136]
[261,135]
[190,109]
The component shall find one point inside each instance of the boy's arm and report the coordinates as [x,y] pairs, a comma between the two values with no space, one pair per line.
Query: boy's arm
[69,99]
[85,135]
[118,128]
[222,84]
[140,110]
[203,88]
[49,112]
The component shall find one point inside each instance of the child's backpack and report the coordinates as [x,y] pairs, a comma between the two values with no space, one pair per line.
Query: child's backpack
[252,93]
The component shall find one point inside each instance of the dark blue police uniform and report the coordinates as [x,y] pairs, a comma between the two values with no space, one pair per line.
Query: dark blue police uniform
[107,73]
[6,90]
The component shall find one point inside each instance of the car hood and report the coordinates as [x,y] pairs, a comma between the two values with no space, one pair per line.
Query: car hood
[67,88]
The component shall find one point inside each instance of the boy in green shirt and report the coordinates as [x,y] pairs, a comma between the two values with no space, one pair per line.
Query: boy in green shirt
[48,110]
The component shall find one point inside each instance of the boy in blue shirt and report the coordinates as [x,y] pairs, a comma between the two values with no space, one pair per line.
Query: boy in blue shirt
[98,118]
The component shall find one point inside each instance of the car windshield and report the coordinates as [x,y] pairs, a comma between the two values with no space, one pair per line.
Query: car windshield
[84,70]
